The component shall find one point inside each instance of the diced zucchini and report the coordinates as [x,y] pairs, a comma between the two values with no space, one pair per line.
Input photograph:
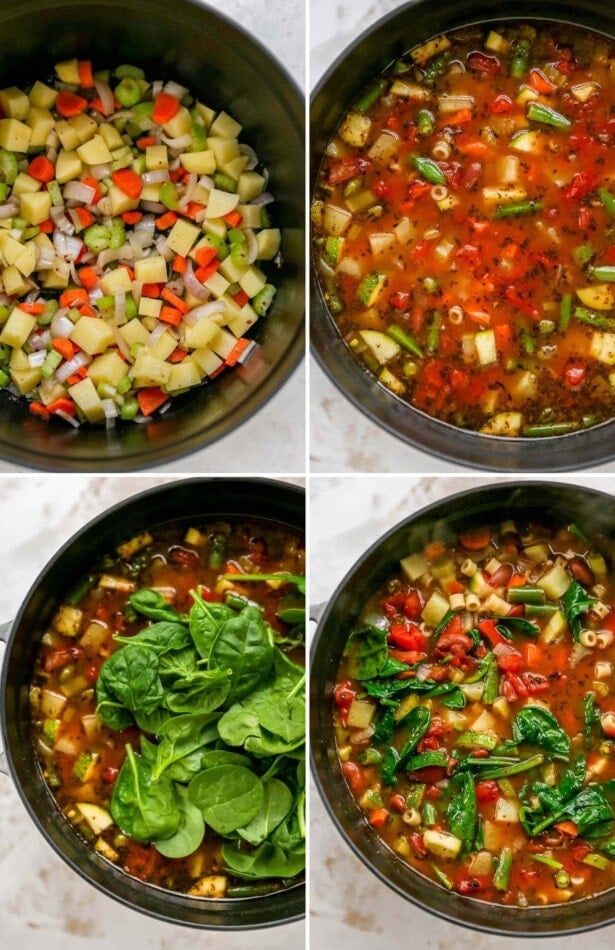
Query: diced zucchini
[97,818]
[597,296]
[597,563]
[442,844]
[503,423]
[555,627]
[536,553]
[473,691]
[50,730]
[368,292]
[67,620]
[336,220]
[360,714]
[104,848]
[506,812]
[414,566]
[407,705]
[381,346]
[601,347]
[388,379]
[435,609]
[355,129]
[486,347]
[479,586]
[555,582]
[527,140]
[84,766]
[496,42]
[137,543]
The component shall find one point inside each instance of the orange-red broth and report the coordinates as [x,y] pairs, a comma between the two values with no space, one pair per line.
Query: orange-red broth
[556,674]
[454,272]
[69,666]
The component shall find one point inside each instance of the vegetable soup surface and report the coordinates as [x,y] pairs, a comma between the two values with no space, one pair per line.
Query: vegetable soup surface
[475,714]
[133,228]
[464,228]
[168,707]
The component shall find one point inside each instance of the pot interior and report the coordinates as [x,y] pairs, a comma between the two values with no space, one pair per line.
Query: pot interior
[544,503]
[227,69]
[176,503]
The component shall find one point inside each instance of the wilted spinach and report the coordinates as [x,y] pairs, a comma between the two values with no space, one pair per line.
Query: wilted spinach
[130,677]
[576,601]
[462,809]
[537,726]
[368,652]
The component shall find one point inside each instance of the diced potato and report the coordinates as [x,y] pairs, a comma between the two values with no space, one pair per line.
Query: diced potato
[251,216]
[148,370]
[200,333]
[506,812]
[225,149]
[252,281]
[97,818]
[42,96]
[134,332]
[17,328]
[41,123]
[67,135]
[249,186]
[150,307]
[214,885]
[230,270]
[108,368]
[217,284]
[240,323]
[597,296]
[68,166]
[112,137]
[95,151]
[414,566]
[15,135]
[68,71]
[179,125]
[52,703]
[220,203]
[104,848]
[26,262]
[442,844]
[137,543]
[336,220]
[35,207]
[410,90]
[151,270]
[268,243]
[206,114]
[384,147]
[116,281]
[182,236]
[209,361]
[156,156]
[435,609]
[222,344]
[87,399]
[184,375]
[111,582]
[555,582]
[381,346]
[85,127]
[602,347]
[67,620]
[406,705]
[355,129]
[431,48]
[14,102]
[13,281]
[226,126]
[360,714]
[120,202]
[503,423]
[200,163]
[92,334]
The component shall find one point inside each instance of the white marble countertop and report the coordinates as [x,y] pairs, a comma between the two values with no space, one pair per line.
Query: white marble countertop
[280,26]
[349,906]
[342,439]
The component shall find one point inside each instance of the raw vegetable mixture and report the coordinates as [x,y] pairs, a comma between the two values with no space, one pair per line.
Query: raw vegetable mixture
[132,226]
[464,229]
[168,707]
[475,714]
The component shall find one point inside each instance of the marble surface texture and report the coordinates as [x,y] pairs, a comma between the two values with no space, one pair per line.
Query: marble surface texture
[349,906]
[279,25]
[342,439]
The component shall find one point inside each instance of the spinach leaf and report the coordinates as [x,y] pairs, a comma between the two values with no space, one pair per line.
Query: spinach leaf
[182,664]
[453,697]
[555,803]
[212,757]
[392,667]
[143,809]
[160,637]
[243,646]
[588,808]
[368,651]
[462,811]
[576,601]
[417,721]
[184,736]
[228,796]
[537,726]
[297,579]
[130,676]
[268,860]
[591,717]
[190,832]
[153,605]
[113,713]
[205,621]
[290,834]
[510,625]
[277,803]
[154,721]
[385,727]
[389,766]
[201,693]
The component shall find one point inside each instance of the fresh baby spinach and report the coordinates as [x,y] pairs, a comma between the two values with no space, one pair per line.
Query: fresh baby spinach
[142,808]
[228,796]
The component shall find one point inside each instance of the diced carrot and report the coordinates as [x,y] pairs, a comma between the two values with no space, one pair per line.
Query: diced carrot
[455,587]
[47,226]
[70,104]
[540,83]
[96,105]
[165,107]
[567,828]
[73,296]
[481,317]
[146,141]
[434,550]
[510,250]
[474,148]
[233,219]
[34,308]
[170,315]
[88,277]
[460,118]
[177,355]
[65,347]
[38,409]
[532,654]
[93,184]
[231,568]
[174,300]
[41,169]
[150,399]
[64,405]
[80,374]
[476,539]
[128,182]
[178,174]
[86,77]
[151,290]
[378,817]
[86,310]
[517,580]
[203,255]
[241,298]
[131,217]
[236,352]
[179,264]
[193,208]
[204,273]
[166,220]
[503,334]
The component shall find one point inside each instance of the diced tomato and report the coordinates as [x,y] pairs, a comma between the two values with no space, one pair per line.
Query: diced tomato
[353,774]
[482,63]
[566,67]
[490,631]
[518,685]
[343,695]
[609,255]
[510,662]
[412,605]
[472,885]
[406,636]
[487,791]
[501,105]
[574,374]
[428,743]
[535,682]
[109,774]
[91,672]
[382,189]
[59,658]
[580,185]
[140,860]
[508,691]
[521,302]
[400,300]
[348,168]
[579,851]
[416,840]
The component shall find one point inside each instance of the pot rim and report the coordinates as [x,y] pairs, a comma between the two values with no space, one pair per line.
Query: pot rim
[321,766]
[381,406]
[169,900]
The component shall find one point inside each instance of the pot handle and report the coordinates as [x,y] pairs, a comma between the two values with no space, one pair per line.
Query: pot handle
[316,611]
[4,635]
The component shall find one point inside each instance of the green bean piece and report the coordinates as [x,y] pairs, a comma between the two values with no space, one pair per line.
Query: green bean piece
[248,890]
[433,335]
[516,768]
[593,319]
[425,122]
[521,58]
[427,168]
[527,595]
[549,428]
[405,339]
[371,96]
[562,879]
[605,272]
[539,610]
[501,877]
[565,310]
[517,208]
[217,550]
[538,112]
[436,68]
[545,859]
[430,815]
[476,740]
[492,684]
[442,877]
[608,200]
[527,342]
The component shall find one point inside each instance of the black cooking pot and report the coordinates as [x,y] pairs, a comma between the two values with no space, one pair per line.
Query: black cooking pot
[226,68]
[541,502]
[411,24]
[180,502]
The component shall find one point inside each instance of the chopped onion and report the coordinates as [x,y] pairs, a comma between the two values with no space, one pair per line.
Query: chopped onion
[106,97]
[37,358]
[67,418]
[156,87]
[62,326]
[122,345]
[137,290]
[74,246]
[58,216]
[193,285]
[253,157]
[147,223]
[45,258]
[71,366]
[205,310]
[423,672]
[59,243]
[109,408]
[99,172]
[363,735]
[156,207]
[108,255]
[164,250]
[455,103]
[155,335]
[180,143]
[40,340]
[248,352]
[265,198]
[120,307]
[186,198]
[206,182]
[153,177]
[252,246]
[8,209]
[504,649]
[174,89]
[77,191]
[95,294]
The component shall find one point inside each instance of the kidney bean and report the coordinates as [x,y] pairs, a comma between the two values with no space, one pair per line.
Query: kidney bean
[353,774]
[581,572]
